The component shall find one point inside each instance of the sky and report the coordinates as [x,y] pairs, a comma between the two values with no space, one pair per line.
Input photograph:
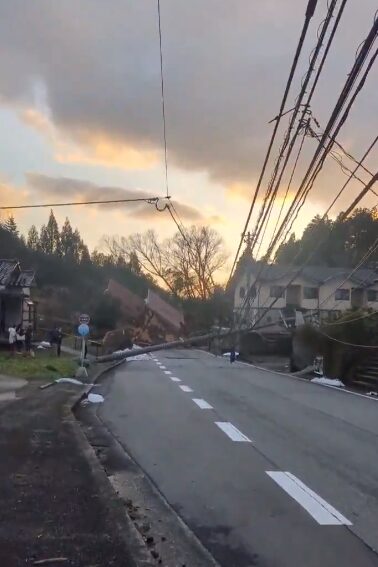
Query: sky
[80,108]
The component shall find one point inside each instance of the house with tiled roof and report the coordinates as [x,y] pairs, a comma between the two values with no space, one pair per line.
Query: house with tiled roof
[277,291]
[16,304]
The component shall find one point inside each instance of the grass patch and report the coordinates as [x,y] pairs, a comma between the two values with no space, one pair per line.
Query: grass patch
[45,365]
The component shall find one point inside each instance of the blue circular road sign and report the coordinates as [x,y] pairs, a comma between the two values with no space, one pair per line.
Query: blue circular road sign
[83,330]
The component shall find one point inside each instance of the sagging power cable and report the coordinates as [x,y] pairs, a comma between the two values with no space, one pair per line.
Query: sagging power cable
[311,6]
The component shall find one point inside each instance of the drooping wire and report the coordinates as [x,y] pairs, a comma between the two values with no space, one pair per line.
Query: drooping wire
[271,193]
[163,101]
[320,153]
[149,200]
[320,242]
[309,14]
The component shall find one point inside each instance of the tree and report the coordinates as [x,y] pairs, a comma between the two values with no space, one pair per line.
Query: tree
[10,225]
[186,263]
[85,257]
[44,242]
[33,238]
[338,243]
[50,237]
[66,240]
[134,264]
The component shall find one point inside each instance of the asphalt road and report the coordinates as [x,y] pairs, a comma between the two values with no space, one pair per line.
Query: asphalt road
[276,472]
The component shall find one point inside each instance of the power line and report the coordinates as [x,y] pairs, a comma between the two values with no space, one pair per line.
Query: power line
[314,168]
[271,193]
[286,193]
[296,274]
[345,342]
[149,200]
[322,241]
[274,185]
[309,14]
[352,175]
[346,321]
[362,194]
[163,101]
[366,256]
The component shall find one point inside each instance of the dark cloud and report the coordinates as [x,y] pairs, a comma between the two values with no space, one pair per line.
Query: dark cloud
[64,189]
[96,64]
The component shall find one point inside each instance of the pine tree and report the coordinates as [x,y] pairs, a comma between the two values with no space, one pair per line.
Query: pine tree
[76,245]
[33,238]
[85,257]
[44,241]
[10,225]
[50,237]
[67,240]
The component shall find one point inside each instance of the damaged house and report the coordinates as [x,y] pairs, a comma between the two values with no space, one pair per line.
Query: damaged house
[16,305]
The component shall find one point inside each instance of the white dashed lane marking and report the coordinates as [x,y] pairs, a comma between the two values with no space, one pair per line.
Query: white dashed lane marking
[162,367]
[167,372]
[202,403]
[186,389]
[232,431]
[174,379]
[319,509]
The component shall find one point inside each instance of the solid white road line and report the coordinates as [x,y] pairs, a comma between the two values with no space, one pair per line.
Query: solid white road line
[186,389]
[232,432]
[167,372]
[174,379]
[202,403]
[319,509]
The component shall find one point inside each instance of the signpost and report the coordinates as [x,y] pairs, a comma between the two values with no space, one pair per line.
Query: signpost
[84,319]
[83,330]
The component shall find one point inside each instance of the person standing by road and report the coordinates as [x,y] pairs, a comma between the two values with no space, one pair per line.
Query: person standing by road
[28,339]
[20,338]
[12,338]
[232,355]
[58,338]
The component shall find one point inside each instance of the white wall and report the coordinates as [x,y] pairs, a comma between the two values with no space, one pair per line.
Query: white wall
[372,304]
[326,293]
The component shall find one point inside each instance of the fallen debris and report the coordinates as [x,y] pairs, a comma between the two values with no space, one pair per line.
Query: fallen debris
[95,398]
[228,354]
[70,381]
[50,560]
[334,382]
[136,357]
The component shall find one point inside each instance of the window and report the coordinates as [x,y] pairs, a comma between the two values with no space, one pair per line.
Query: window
[242,292]
[310,293]
[342,294]
[277,291]
[372,295]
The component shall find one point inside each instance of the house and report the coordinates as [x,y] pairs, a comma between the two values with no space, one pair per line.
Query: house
[16,305]
[132,306]
[171,317]
[317,291]
[152,319]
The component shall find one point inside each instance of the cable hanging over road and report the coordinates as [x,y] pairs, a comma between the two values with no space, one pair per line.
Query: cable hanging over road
[163,101]
[148,200]
[311,6]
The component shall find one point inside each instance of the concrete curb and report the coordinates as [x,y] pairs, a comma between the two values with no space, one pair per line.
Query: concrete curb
[138,554]
[295,376]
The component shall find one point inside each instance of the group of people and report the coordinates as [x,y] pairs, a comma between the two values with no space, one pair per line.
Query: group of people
[20,339]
